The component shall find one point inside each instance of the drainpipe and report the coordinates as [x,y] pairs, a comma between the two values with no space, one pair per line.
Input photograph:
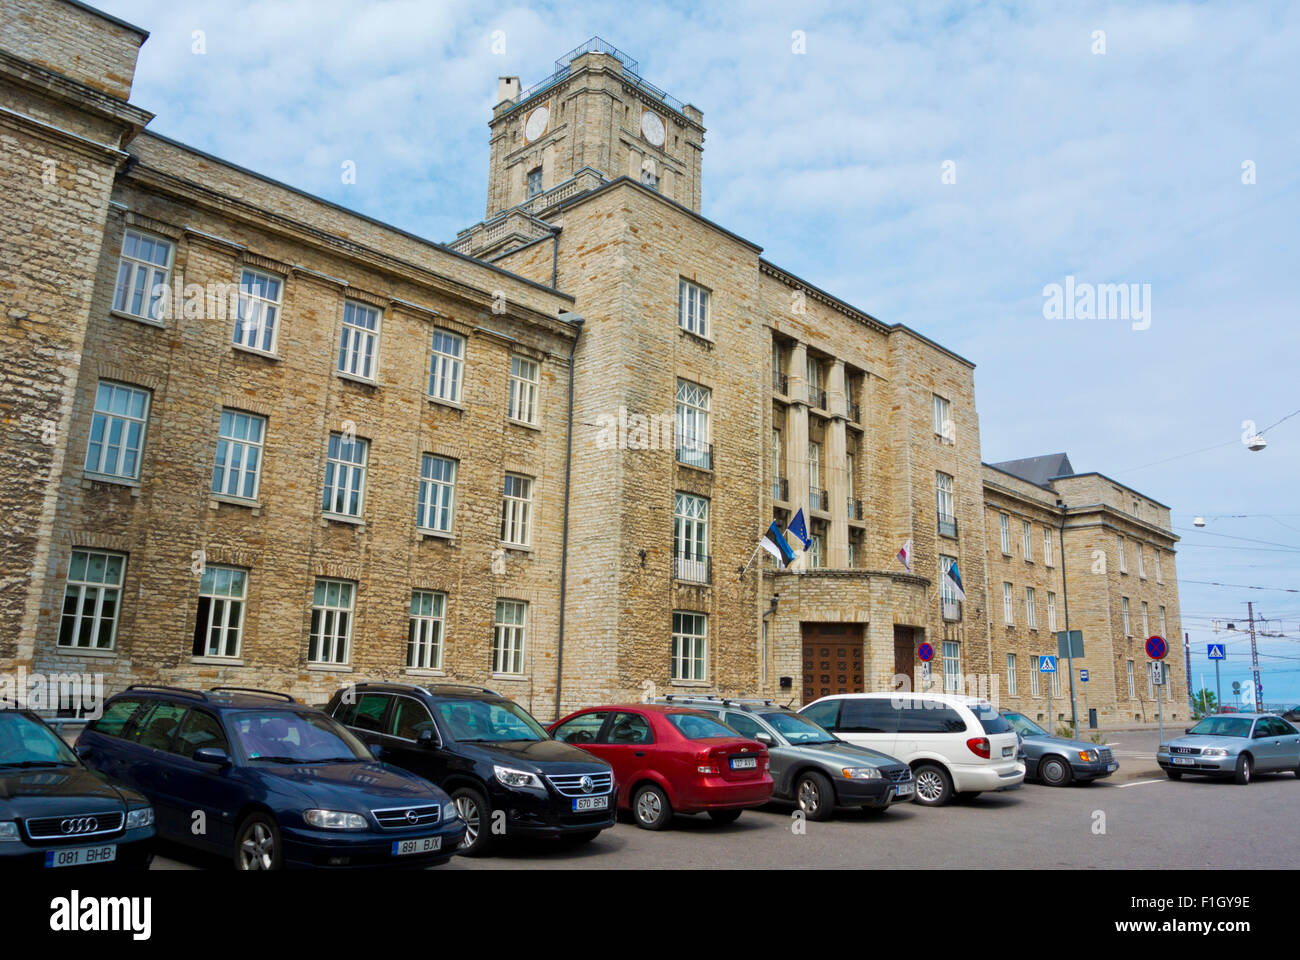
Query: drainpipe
[577,322]
[1069,647]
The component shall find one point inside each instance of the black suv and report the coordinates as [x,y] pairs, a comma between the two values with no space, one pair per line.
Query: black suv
[502,769]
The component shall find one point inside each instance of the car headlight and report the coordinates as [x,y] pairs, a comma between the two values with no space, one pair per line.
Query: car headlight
[861,773]
[334,820]
[140,817]
[517,779]
[1214,752]
[1088,756]
[8,830]
[449,812]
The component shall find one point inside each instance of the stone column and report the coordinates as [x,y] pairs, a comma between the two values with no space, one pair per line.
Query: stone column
[796,436]
[837,481]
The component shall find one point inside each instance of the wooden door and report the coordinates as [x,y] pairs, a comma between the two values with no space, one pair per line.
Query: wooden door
[832,659]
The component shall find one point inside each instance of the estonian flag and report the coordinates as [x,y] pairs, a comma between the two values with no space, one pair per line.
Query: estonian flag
[952,576]
[774,543]
[800,529]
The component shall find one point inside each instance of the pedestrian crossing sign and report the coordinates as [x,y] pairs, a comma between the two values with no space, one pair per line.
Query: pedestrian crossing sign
[1046,664]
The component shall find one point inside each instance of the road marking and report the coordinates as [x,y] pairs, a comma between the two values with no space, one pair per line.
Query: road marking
[1138,783]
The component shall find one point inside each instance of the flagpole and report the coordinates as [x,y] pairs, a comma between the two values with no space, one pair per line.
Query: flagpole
[745,568]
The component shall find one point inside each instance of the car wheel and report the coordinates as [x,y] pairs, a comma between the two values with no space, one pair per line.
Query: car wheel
[1054,772]
[650,808]
[1174,774]
[257,844]
[933,785]
[472,806]
[725,816]
[1244,770]
[815,796]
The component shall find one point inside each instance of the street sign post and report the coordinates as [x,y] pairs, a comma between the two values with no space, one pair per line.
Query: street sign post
[926,653]
[1069,644]
[1047,665]
[1156,650]
[1216,652]
[1083,679]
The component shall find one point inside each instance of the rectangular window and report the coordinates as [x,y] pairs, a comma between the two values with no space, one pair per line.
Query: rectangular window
[813,370]
[534,182]
[815,475]
[331,621]
[91,600]
[424,633]
[1123,565]
[1047,546]
[524,378]
[1004,523]
[257,324]
[142,272]
[1056,683]
[1155,554]
[219,623]
[690,646]
[359,344]
[238,470]
[1031,615]
[951,667]
[778,488]
[1027,540]
[947,505]
[1051,611]
[690,537]
[693,308]
[117,431]
[1142,569]
[1132,693]
[1151,690]
[508,636]
[437,497]
[345,476]
[1011,674]
[1162,621]
[517,510]
[1034,689]
[1008,606]
[1146,620]
[446,365]
[1123,606]
[693,424]
[943,427]
[815,551]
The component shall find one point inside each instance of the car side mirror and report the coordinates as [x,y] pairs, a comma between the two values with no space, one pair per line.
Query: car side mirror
[1187,730]
[425,738]
[376,749]
[764,738]
[212,755]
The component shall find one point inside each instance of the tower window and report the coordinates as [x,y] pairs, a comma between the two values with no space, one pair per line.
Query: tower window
[534,182]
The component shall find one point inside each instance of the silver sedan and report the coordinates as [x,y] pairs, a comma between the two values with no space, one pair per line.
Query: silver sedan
[1233,745]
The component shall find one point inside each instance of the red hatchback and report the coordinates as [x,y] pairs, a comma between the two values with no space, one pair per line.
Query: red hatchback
[670,760]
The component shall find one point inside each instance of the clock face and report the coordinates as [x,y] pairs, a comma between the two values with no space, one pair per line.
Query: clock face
[535,126]
[652,128]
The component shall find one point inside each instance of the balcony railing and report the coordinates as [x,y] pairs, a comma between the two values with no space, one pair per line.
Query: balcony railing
[951,609]
[693,570]
[781,489]
[694,453]
[780,383]
[855,509]
[855,412]
[947,526]
[821,500]
[817,397]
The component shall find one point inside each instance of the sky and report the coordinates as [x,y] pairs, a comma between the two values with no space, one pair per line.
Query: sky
[938,165]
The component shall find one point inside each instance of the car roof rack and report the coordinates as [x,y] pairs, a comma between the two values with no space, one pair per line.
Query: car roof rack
[257,690]
[196,694]
[470,686]
[391,683]
[715,698]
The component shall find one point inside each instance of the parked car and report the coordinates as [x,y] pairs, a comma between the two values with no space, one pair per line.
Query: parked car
[55,812]
[1058,761]
[1235,745]
[956,745]
[488,753]
[267,780]
[810,767]
[1292,716]
[670,759]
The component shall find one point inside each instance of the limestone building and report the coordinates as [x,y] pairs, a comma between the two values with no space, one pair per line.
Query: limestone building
[536,458]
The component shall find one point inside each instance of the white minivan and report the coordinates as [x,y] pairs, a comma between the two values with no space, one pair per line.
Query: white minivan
[954,744]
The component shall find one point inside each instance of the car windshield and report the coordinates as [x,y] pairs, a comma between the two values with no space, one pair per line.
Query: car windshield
[695,726]
[489,721]
[796,728]
[25,742]
[288,736]
[1222,727]
[1024,726]
[990,719]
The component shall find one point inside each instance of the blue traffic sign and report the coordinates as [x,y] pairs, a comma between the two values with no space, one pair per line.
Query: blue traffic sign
[1083,676]
[1157,648]
[1047,664]
[925,652]
[1216,652]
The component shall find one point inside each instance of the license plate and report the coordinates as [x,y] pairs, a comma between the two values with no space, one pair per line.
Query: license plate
[402,848]
[1186,761]
[1112,767]
[80,856]
[590,803]
[1007,751]
[744,763]
[904,789]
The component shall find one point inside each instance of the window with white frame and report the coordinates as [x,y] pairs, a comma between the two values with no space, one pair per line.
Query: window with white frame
[777,475]
[446,366]
[690,653]
[91,600]
[238,468]
[1162,621]
[1047,546]
[1142,568]
[1123,564]
[142,272]
[815,552]
[424,630]
[437,495]
[1155,555]
[1011,674]
[117,431]
[942,411]
[330,639]
[1008,605]
[345,476]
[509,632]
[1031,614]
[1027,539]
[1146,620]
[359,343]
[1123,606]
[690,537]
[517,510]
[951,667]
[1151,690]
[1034,676]
[693,424]
[813,371]
[1004,522]
[692,308]
[815,471]
[1054,678]
[946,503]
[534,182]
[525,374]
[1051,611]
[219,622]
[257,324]
[1132,693]
[947,592]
